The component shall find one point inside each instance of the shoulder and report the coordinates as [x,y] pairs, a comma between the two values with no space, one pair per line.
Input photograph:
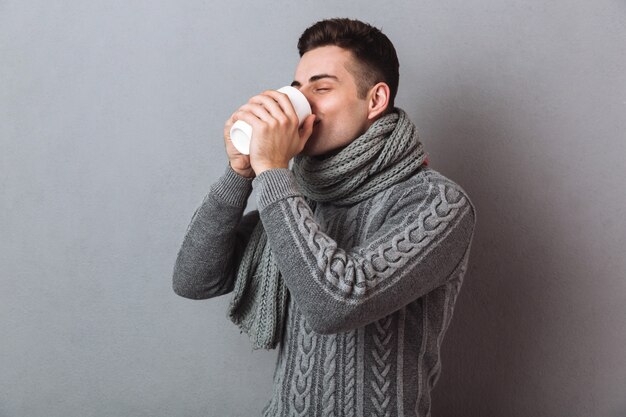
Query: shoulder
[424,182]
[428,177]
[430,190]
[427,197]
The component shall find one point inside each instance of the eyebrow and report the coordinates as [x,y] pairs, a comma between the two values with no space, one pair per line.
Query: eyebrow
[314,78]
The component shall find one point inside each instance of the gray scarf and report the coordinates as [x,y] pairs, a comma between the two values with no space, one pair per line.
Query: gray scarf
[389,152]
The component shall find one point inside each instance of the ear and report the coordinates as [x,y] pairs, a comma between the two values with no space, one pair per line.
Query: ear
[378,98]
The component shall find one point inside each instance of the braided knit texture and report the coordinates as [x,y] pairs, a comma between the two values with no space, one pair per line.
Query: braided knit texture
[386,154]
[372,285]
[378,294]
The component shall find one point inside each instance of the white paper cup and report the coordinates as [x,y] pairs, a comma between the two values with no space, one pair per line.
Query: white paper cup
[241,132]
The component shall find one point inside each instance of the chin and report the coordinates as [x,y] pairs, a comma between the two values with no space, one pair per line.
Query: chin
[309,152]
[320,153]
[316,146]
[311,148]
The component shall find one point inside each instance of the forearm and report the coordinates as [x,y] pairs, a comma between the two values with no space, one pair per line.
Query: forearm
[342,288]
[207,258]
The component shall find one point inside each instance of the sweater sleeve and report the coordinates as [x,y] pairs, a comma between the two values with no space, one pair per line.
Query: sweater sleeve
[215,239]
[422,243]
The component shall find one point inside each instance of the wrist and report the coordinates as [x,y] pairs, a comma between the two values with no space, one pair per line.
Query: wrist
[274,185]
[259,169]
[246,173]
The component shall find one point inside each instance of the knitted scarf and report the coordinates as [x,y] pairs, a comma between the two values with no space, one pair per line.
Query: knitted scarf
[387,153]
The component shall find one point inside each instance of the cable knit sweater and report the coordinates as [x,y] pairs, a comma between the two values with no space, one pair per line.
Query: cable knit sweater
[372,286]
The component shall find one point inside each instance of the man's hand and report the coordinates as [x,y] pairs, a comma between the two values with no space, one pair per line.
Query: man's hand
[239,162]
[276,137]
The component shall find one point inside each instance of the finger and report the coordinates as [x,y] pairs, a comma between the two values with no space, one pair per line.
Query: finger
[248,117]
[227,125]
[272,106]
[230,121]
[258,110]
[307,127]
[284,103]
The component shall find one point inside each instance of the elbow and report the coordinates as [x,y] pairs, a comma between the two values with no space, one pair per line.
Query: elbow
[186,289]
[326,316]
[324,323]
[197,287]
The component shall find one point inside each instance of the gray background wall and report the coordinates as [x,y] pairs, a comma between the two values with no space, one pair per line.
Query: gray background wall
[111,115]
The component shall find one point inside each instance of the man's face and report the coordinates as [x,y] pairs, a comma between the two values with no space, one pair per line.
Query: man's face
[322,75]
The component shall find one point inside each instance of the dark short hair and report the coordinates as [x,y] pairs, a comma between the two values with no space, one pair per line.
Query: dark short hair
[375,55]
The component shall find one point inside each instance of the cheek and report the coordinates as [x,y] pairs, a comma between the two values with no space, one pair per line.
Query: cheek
[343,117]
[328,105]
[354,115]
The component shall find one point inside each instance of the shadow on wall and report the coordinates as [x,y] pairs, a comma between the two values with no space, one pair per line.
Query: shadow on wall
[514,347]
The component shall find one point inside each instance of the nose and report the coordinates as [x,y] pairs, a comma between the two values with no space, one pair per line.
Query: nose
[310,98]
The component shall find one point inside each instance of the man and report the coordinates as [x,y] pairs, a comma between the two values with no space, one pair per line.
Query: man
[354,259]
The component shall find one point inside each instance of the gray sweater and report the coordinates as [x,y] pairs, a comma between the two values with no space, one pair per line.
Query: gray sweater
[372,286]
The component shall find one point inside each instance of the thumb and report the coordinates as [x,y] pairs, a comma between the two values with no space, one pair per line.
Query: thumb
[307,127]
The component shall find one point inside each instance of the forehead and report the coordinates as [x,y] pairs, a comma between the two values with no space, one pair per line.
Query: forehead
[331,60]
